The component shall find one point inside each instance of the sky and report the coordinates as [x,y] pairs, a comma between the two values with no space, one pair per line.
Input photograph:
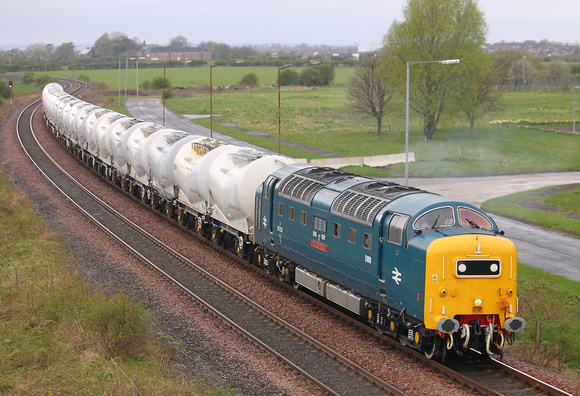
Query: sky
[240,22]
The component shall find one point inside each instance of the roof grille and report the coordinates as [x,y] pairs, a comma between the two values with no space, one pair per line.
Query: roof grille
[357,206]
[299,188]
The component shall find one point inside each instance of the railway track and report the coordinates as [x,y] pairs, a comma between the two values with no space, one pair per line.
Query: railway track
[180,269]
[322,366]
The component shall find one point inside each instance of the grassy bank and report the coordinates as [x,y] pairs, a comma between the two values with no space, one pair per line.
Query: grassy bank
[555,208]
[59,335]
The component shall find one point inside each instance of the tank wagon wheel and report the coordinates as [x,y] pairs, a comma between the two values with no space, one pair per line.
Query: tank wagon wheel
[217,235]
[241,246]
[199,226]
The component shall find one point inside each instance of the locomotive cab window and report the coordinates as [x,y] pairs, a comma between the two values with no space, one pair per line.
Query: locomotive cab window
[396,228]
[470,218]
[440,217]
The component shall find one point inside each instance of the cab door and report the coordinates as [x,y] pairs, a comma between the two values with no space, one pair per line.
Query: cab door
[264,212]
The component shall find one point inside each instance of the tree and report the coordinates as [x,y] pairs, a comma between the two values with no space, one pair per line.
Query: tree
[179,42]
[476,91]
[432,30]
[64,51]
[369,92]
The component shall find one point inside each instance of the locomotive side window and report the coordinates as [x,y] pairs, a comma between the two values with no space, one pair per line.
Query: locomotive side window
[440,217]
[319,223]
[280,209]
[396,228]
[368,241]
[470,218]
[337,230]
[291,213]
[303,218]
[351,235]
[268,186]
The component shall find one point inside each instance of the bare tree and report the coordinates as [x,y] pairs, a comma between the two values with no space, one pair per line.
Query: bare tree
[369,92]
[179,41]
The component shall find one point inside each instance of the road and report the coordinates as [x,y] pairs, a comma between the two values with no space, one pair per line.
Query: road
[546,250]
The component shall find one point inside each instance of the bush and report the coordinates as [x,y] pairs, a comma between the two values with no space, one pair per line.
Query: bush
[249,80]
[4,90]
[288,77]
[84,77]
[160,83]
[120,326]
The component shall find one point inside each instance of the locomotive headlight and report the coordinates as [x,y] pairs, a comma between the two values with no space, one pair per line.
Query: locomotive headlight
[478,302]
[442,291]
[510,291]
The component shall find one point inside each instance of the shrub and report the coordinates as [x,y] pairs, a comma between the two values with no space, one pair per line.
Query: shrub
[120,325]
[249,80]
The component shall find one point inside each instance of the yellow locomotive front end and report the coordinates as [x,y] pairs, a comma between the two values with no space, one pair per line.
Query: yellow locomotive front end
[471,291]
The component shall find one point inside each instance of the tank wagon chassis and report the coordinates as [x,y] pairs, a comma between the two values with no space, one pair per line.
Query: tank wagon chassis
[301,223]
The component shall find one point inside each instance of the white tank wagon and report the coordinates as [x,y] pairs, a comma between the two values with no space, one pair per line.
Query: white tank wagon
[184,163]
[116,135]
[69,127]
[77,131]
[154,156]
[101,132]
[232,180]
[65,115]
[132,147]
[86,135]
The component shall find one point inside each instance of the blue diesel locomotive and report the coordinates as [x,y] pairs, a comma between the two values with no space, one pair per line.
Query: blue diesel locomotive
[433,272]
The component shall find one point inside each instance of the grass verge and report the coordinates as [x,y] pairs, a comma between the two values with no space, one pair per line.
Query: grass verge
[60,336]
[554,208]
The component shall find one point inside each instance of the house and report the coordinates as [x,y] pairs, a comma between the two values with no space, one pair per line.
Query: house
[174,53]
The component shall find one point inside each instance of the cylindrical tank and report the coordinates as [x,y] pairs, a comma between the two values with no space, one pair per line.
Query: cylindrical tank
[116,136]
[184,163]
[154,155]
[69,123]
[132,146]
[86,134]
[65,115]
[234,177]
[77,132]
[100,134]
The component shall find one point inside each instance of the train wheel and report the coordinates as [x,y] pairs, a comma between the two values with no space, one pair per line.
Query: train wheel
[199,226]
[240,246]
[429,352]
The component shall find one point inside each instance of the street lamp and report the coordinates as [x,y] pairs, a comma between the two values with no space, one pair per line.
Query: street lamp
[443,62]
[574,108]
[279,115]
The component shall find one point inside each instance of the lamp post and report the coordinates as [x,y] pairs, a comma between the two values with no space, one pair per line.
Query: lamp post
[211,97]
[574,108]
[279,110]
[443,62]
